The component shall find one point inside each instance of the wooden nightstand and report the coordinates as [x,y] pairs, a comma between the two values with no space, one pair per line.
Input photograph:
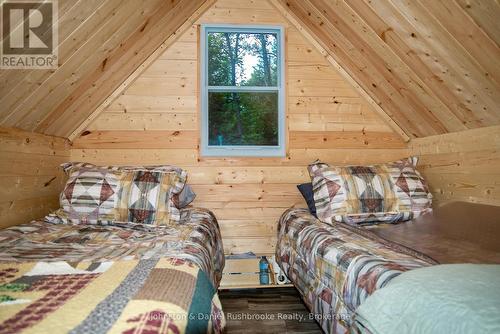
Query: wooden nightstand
[244,274]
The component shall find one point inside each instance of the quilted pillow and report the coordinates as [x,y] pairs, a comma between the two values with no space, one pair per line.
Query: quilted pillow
[385,193]
[180,199]
[109,194]
[89,196]
[146,197]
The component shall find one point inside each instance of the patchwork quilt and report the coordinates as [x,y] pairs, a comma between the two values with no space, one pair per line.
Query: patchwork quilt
[131,278]
[336,267]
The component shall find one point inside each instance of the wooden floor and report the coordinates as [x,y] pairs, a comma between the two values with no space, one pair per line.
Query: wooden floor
[273,310]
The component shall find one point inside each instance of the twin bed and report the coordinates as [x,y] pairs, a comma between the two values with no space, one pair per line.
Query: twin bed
[129,278]
[336,268]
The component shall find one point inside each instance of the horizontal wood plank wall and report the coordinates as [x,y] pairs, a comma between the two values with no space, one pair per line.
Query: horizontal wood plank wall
[30,177]
[156,121]
[462,166]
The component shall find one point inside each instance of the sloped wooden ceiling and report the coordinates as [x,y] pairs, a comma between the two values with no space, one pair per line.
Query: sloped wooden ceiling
[432,65]
[101,42]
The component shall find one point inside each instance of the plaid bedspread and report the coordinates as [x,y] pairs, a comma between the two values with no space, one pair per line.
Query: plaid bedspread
[336,268]
[126,279]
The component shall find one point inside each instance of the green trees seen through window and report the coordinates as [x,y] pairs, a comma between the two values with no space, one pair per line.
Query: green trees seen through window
[242,93]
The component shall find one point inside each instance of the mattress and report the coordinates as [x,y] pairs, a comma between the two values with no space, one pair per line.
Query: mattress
[335,268]
[127,278]
[456,232]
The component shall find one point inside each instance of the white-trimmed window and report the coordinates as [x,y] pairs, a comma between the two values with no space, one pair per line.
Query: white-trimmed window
[242,91]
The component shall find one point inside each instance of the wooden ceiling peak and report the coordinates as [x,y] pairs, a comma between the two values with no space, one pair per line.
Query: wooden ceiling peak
[427,66]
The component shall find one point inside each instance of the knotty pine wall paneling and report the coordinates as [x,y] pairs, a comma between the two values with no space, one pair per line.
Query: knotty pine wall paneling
[462,166]
[427,64]
[30,177]
[156,121]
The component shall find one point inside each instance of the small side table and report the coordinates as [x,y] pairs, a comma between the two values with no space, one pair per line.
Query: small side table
[244,274]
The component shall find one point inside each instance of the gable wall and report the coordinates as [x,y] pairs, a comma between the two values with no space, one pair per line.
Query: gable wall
[428,66]
[156,121]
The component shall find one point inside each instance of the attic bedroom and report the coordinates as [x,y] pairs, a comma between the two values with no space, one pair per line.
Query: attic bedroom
[250,166]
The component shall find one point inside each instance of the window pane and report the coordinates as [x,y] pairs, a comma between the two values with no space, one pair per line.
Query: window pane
[243,119]
[242,59]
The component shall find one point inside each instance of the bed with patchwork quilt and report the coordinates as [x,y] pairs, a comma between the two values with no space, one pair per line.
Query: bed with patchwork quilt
[336,267]
[125,278]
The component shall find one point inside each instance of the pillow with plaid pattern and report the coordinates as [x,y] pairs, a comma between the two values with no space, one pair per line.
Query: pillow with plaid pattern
[384,193]
[110,194]
[147,197]
[181,199]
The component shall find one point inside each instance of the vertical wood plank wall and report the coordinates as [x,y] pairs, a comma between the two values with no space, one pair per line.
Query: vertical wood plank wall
[462,166]
[156,121]
[30,177]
